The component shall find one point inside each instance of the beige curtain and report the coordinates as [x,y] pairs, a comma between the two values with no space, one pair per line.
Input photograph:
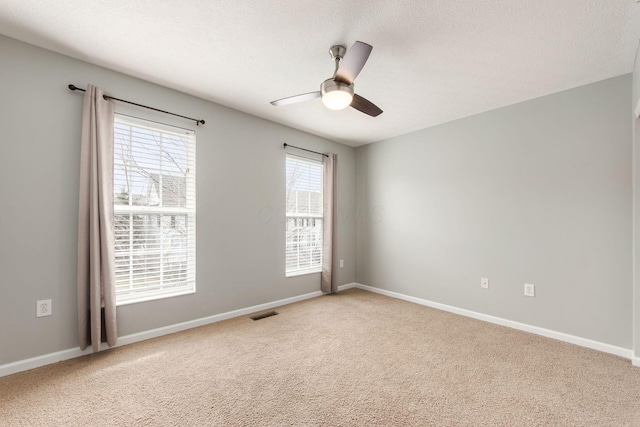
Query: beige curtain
[96,291]
[329,279]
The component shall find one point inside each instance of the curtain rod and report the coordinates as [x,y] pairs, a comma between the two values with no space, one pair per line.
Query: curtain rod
[107,97]
[304,149]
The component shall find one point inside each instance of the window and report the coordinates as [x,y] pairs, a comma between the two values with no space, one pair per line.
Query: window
[154,209]
[304,216]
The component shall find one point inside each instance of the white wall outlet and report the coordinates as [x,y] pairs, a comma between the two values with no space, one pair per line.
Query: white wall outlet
[43,308]
[529,290]
[341,263]
[484,283]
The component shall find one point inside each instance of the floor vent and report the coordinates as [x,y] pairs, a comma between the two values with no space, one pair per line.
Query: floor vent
[264,315]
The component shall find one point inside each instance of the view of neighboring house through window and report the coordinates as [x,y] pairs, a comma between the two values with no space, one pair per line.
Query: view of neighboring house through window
[155,210]
[304,216]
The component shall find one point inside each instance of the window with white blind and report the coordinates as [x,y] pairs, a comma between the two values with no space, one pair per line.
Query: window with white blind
[304,216]
[155,210]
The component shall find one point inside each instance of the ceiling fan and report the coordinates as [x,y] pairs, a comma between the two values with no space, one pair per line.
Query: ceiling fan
[337,92]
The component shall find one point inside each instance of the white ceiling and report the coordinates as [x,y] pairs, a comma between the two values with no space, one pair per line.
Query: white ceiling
[433,61]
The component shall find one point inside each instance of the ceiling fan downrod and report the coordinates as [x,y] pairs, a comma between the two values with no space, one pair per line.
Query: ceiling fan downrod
[337,53]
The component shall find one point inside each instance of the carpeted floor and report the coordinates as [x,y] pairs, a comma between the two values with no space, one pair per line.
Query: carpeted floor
[352,359]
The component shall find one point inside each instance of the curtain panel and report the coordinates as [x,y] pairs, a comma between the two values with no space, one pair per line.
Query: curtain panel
[329,277]
[96,277]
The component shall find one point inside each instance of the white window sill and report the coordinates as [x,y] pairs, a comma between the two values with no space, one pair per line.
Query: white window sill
[303,272]
[155,297]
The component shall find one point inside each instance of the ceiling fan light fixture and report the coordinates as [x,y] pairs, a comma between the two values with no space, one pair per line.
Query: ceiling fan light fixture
[336,95]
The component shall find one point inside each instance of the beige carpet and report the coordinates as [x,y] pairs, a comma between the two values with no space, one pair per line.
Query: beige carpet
[353,359]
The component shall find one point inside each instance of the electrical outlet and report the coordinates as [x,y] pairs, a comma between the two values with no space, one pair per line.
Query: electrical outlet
[43,308]
[529,290]
[341,263]
[484,283]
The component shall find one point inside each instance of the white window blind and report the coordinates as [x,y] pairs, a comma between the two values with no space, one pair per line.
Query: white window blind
[155,210]
[303,215]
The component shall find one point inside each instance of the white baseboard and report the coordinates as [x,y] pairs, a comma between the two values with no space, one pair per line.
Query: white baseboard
[58,356]
[347,286]
[584,342]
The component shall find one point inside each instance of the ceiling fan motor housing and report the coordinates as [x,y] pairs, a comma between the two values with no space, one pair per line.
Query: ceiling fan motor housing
[336,95]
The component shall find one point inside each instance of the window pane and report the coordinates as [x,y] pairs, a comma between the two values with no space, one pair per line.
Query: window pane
[150,167]
[303,243]
[304,186]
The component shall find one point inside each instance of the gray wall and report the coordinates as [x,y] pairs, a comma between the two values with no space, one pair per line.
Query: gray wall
[240,195]
[538,192]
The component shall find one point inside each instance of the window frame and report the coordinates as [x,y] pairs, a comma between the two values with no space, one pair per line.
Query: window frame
[159,213]
[316,268]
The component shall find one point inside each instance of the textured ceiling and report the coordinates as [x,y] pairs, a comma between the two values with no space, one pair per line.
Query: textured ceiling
[433,60]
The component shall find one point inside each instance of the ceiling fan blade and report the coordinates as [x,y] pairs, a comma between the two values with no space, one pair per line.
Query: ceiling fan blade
[365,106]
[296,98]
[353,62]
